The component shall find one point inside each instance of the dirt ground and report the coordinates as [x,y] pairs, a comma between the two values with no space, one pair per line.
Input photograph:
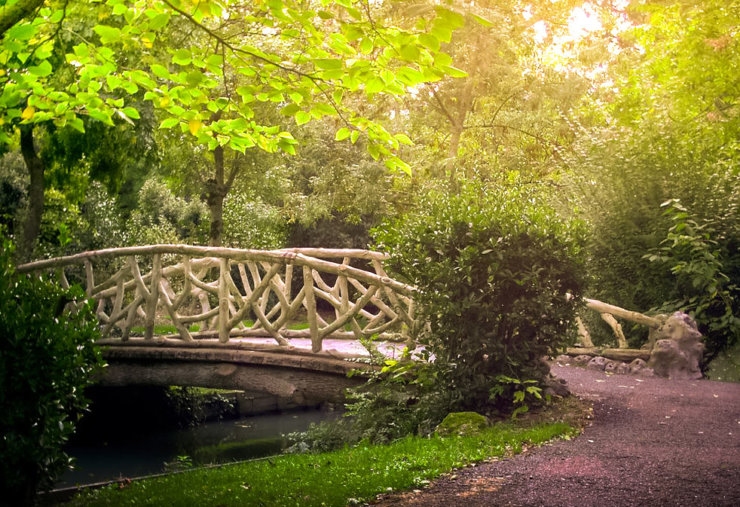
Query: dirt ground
[651,442]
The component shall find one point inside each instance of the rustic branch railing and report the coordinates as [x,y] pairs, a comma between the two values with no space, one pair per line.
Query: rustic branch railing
[608,313]
[228,293]
[231,293]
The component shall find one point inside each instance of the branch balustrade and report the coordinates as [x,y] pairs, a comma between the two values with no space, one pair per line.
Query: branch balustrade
[609,314]
[226,293]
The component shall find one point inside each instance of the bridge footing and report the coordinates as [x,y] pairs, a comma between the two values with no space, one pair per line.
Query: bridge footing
[298,379]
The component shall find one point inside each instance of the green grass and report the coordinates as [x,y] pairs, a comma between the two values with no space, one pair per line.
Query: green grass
[347,476]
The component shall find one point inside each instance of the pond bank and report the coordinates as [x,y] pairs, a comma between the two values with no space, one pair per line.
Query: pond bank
[150,431]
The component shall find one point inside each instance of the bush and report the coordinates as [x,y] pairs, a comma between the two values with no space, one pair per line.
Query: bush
[492,267]
[701,285]
[162,217]
[250,223]
[47,355]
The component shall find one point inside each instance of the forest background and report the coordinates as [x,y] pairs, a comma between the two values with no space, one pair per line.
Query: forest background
[288,123]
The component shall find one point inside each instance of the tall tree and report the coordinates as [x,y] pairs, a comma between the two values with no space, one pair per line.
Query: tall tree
[503,110]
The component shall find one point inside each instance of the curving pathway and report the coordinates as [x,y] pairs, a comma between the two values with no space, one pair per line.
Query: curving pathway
[652,442]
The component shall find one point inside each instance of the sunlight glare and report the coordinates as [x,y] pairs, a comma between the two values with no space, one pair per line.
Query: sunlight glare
[582,21]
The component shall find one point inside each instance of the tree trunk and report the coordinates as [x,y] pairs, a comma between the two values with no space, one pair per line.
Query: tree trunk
[457,118]
[12,14]
[216,194]
[35,167]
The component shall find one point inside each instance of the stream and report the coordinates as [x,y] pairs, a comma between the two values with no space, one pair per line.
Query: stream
[143,453]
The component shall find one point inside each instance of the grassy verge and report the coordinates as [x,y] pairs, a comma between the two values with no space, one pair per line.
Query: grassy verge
[347,476]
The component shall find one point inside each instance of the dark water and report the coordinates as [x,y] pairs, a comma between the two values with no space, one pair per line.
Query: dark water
[144,453]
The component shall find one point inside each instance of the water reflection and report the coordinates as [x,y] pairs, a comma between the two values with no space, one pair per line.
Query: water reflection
[147,453]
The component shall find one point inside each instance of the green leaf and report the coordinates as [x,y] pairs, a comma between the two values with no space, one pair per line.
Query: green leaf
[410,52]
[182,57]
[131,113]
[328,63]
[159,21]
[366,46]
[42,70]
[429,41]
[290,110]
[100,116]
[403,139]
[354,136]
[215,60]
[112,81]
[130,87]
[302,118]
[342,134]
[482,21]
[169,123]
[160,71]
[107,34]
[442,32]
[21,32]
[77,124]
[195,77]
[454,71]
[375,85]
[355,13]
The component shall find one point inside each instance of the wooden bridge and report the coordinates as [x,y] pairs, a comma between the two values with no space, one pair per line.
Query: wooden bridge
[232,318]
[251,319]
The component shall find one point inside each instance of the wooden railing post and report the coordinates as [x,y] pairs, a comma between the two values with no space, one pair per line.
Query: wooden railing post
[310,304]
[223,301]
[151,306]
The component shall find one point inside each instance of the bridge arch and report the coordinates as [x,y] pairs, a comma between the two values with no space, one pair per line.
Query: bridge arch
[302,378]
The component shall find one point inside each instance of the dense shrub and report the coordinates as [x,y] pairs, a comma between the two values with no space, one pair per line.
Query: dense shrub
[250,223]
[163,217]
[47,355]
[492,267]
[705,282]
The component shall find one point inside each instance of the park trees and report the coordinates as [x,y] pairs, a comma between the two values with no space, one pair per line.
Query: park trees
[507,112]
[208,67]
[668,130]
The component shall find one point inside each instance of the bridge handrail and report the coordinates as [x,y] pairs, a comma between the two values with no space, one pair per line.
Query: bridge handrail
[298,256]
[383,302]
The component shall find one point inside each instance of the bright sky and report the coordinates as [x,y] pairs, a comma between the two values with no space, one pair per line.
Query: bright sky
[561,51]
[582,21]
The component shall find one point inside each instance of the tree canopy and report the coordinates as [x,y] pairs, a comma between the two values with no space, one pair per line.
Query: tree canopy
[204,66]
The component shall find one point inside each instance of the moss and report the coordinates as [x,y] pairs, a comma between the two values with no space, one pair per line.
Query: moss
[462,424]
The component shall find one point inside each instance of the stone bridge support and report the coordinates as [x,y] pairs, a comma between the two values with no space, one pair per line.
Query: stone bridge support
[302,379]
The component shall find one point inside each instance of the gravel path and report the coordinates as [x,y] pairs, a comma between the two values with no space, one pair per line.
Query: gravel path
[652,442]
